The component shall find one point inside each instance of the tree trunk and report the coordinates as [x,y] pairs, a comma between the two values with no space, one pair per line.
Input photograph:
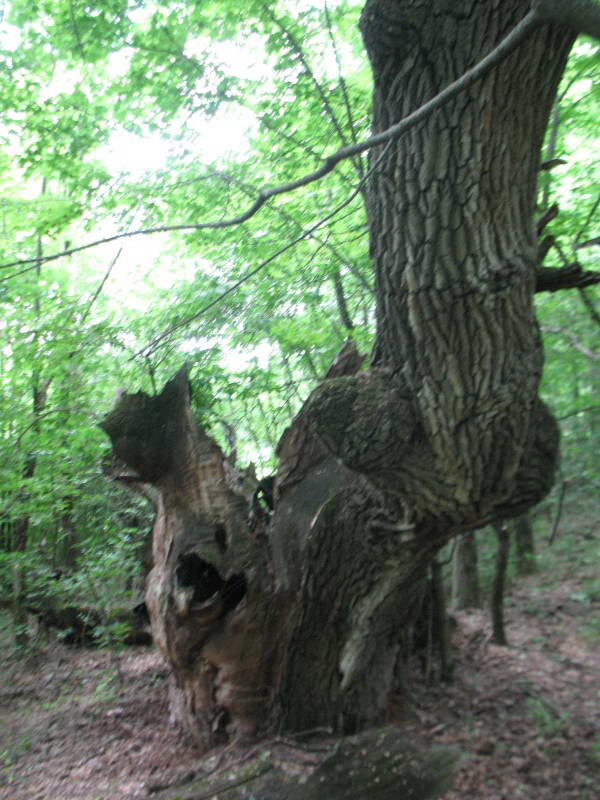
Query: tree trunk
[18,606]
[524,545]
[497,598]
[465,574]
[297,624]
[440,621]
[20,525]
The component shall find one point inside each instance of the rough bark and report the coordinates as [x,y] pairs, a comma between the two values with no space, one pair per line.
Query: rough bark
[297,623]
[456,367]
[285,632]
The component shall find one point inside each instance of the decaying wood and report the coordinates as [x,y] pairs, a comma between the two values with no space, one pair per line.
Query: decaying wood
[204,561]
[298,624]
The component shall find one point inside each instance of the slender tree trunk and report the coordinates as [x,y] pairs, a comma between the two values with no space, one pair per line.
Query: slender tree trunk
[440,620]
[497,599]
[20,526]
[524,545]
[39,391]
[342,305]
[18,606]
[465,574]
[550,154]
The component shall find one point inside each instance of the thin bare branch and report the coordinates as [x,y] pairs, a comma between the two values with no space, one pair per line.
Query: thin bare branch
[298,142]
[37,420]
[304,61]
[574,341]
[517,36]
[548,215]
[578,411]
[588,219]
[589,304]
[349,115]
[304,235]
[588,243]
[101,286]
[289,218]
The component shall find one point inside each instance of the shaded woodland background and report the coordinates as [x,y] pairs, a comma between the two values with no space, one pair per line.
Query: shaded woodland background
[119,122]
[80,328]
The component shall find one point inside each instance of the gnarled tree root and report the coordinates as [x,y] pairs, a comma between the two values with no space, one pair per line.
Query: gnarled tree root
[378,764]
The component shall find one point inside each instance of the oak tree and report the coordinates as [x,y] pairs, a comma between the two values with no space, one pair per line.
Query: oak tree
[295,617]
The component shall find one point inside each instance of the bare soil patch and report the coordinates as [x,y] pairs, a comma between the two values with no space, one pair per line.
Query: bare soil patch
[70,731]
[526,717]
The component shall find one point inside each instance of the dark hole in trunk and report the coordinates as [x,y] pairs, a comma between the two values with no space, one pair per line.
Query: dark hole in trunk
[193,571]
[140,613]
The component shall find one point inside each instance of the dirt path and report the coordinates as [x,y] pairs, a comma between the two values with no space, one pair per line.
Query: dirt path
[527,717]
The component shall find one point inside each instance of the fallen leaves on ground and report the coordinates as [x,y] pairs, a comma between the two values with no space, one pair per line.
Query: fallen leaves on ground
[526,717]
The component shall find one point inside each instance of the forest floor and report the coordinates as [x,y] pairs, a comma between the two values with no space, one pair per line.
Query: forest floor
[526,717]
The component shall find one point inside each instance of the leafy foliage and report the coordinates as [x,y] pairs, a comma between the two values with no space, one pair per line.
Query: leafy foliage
[125,115]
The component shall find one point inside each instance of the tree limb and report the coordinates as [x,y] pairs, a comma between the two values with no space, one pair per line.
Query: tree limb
[588,243]
[343,87]
[543,248]
[548,215]
[573,339]
[578,411]
[304,235]
[590,216]
[588,303]
[582,16]
[551,163]
[552,279]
